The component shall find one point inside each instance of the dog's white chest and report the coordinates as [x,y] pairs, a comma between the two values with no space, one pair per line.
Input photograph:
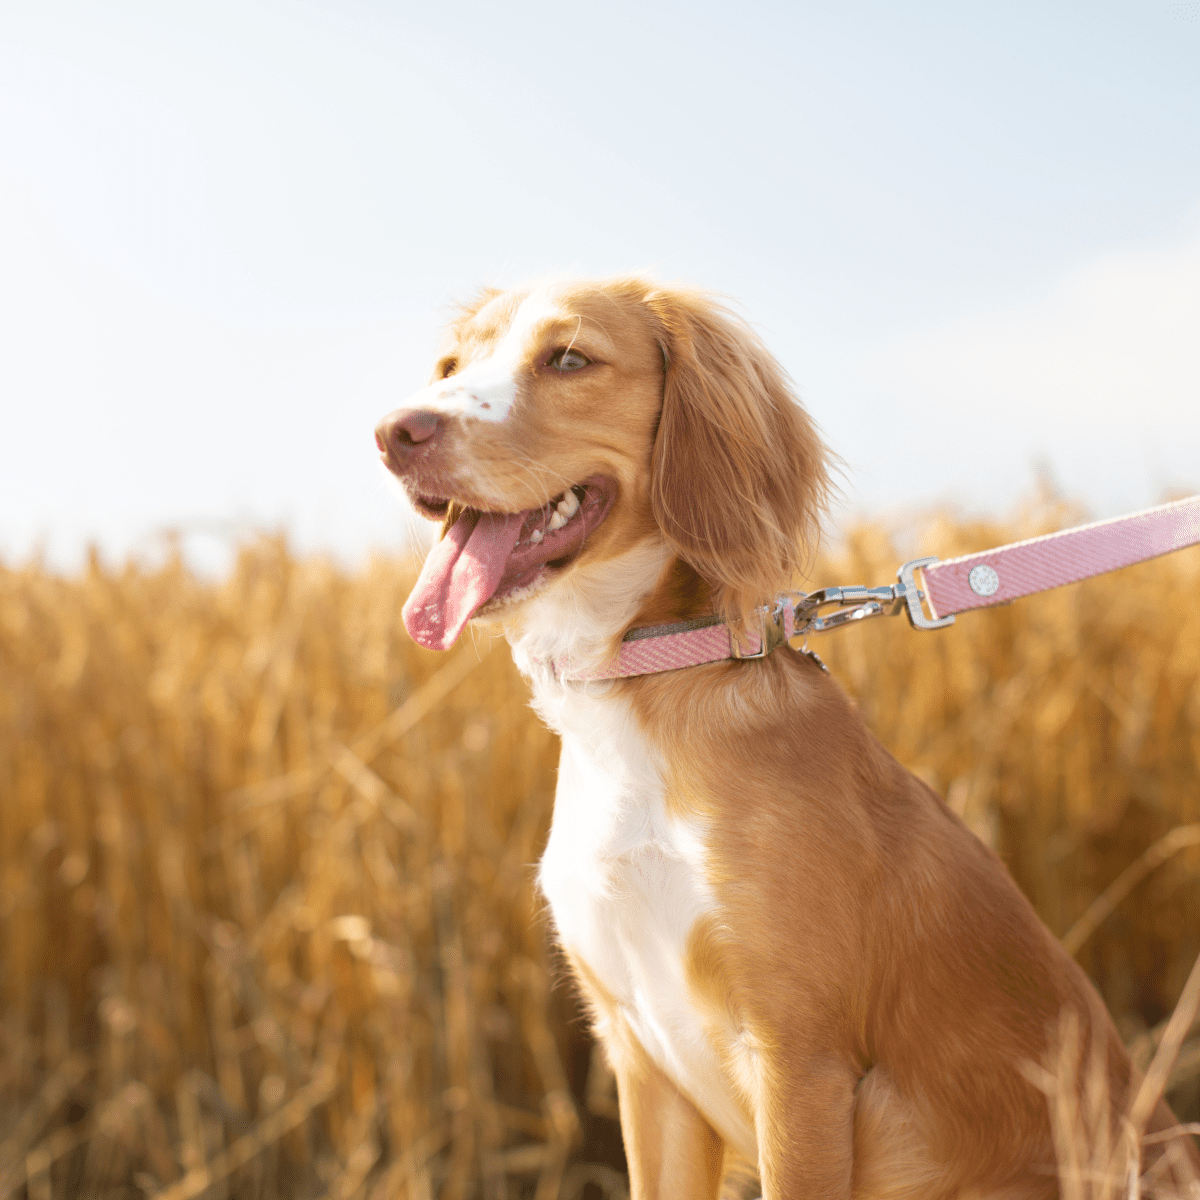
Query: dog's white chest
[626,883]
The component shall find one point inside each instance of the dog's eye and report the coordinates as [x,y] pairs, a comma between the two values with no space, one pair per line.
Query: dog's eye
[567,360]
[447,367]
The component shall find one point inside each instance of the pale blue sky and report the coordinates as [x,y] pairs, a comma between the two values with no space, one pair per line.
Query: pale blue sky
[228,232]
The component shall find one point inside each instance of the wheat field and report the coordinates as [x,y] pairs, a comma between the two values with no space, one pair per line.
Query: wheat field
[268,925]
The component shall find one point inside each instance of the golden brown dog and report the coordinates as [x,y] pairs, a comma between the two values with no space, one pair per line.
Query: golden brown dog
[795,954]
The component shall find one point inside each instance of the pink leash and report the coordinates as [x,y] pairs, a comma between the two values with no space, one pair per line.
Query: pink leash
[957,585]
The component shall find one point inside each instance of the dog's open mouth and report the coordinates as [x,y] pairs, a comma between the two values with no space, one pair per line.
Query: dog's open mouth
[487,556]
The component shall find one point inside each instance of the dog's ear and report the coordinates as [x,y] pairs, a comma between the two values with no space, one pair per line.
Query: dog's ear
[739,477]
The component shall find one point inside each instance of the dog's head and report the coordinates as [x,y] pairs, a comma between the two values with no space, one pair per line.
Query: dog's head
[568,425]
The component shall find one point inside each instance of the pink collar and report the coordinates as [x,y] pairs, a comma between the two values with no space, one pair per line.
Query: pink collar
[689,644]
[973,581]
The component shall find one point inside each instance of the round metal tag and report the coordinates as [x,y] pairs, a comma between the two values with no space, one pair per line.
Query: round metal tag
[983,580]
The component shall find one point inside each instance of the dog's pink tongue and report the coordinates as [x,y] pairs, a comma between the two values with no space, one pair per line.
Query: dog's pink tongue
[459,576]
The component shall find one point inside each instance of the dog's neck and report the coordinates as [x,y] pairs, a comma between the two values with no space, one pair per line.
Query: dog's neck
[583,616]
[582,620]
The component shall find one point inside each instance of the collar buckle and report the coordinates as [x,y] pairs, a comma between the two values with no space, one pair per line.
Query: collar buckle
[773,630]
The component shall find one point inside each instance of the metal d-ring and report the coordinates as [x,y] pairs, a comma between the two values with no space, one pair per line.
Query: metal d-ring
[913,596]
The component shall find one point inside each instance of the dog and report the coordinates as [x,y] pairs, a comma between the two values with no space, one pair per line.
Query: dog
[794,954]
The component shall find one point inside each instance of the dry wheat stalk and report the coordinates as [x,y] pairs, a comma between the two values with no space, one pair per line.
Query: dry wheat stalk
[266,906]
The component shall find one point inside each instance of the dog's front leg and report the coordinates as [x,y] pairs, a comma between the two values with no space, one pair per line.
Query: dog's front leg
[672,1151]
[805,1132]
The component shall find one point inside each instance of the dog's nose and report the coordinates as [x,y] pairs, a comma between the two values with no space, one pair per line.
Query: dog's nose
[402,431]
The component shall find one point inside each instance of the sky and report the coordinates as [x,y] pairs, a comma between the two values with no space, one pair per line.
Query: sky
[230,232]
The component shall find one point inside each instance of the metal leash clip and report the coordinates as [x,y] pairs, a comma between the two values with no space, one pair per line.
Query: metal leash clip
[861,603]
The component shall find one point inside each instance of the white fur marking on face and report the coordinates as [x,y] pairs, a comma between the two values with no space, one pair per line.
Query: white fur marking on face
[487,390]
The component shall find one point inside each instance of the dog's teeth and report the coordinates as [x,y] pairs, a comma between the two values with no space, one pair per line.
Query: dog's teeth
[568,505]
[535,536]
[557,520]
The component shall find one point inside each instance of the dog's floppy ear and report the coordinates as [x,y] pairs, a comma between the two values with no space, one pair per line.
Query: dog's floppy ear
[739,472]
